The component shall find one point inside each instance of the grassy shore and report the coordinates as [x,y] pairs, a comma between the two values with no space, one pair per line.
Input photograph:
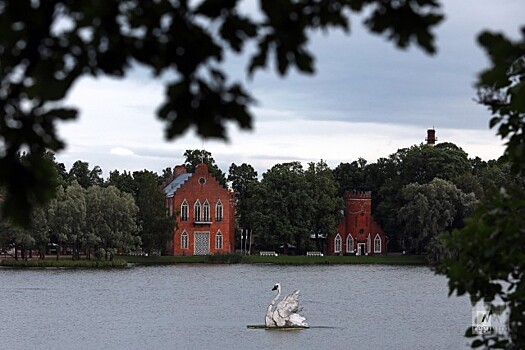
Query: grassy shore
[280,260]
[122,261]
[65,262]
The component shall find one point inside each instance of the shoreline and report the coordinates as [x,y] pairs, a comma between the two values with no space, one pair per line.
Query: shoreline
[126,261]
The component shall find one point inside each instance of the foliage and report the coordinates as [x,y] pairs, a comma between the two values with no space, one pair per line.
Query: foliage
[46,46]
[63,263]
[429,210]
[156,226]
[112,219]
[224,259]
[490,261]
[326,204]
[195,157]
[290,204]
[243,180]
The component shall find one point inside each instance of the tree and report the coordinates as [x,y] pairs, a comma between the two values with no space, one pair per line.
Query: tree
[41,60]
[326,204]
[67,217]
[84,176]
[156,226]
[196,156]
[243,179]
[490,261]
[284,208]
[123,182]
[112,220]
[351,176]
[430,210]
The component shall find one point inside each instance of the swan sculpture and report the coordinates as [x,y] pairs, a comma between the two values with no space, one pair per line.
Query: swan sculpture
[285,314]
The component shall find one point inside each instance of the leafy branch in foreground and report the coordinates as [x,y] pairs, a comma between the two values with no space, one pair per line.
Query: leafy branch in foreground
[46,46]
[489,252]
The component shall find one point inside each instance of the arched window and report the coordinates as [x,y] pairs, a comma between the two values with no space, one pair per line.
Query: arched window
[206,211]
[184,240]
[349,244]
[197,211]
[184,211]
[218,240]
[377,244]
[218,210]
[337,244]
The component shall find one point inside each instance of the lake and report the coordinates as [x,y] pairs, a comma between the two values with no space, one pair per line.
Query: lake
[209,307]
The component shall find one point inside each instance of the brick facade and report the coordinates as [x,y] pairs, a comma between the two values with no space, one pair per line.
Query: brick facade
[358,233]
[204,211]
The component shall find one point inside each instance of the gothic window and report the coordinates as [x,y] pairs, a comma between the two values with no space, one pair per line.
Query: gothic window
[377,244]
[218,240]
[197,211]
[184,211]
[337,244]
[349,244]
[218,210]
[184,240]
[206,211]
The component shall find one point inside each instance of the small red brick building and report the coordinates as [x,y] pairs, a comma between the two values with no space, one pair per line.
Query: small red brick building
[204,211]
[358,233]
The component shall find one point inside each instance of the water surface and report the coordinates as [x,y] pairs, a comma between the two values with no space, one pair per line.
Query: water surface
[209,307]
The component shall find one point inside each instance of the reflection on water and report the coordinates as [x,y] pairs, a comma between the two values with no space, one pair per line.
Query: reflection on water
[208,307]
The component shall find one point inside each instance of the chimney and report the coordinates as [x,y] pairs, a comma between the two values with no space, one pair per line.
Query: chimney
[179,169]
[431,137]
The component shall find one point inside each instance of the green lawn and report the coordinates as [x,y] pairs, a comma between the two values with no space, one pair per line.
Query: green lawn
[122,261]
[281,260]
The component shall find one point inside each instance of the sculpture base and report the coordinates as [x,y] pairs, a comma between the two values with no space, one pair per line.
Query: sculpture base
[284,328]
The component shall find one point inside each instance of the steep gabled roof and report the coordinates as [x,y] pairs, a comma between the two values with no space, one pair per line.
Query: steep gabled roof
[175,184]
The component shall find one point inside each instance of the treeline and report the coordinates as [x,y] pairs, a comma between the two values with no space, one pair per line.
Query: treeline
[94,216]
[419,194]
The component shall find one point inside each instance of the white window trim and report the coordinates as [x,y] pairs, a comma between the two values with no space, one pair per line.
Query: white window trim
[350,247]
[206,211]
[197,213]
[219,211]
[337,243]
[184,240]
[377,239]
[219,238]
[183,205]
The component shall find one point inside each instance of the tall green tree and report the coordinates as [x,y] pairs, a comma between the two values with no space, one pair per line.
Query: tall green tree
[124,182]
[86,177]
[429,210]
[326,204]
[67,217]
[243,179]
[156,228]
[112,220]
[284,206]
[416,164]
[351,176]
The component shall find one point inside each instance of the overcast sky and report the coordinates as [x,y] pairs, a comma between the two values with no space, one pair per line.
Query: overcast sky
[367,99]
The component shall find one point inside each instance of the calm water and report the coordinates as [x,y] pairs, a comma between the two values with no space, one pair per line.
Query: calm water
[208,307]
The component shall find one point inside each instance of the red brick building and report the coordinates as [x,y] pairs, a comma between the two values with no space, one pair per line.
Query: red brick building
[358,233]
[204,211]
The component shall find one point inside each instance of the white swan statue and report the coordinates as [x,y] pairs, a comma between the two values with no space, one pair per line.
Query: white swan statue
[285,314]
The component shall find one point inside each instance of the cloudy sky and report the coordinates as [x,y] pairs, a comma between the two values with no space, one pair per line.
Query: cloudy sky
[367,99]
